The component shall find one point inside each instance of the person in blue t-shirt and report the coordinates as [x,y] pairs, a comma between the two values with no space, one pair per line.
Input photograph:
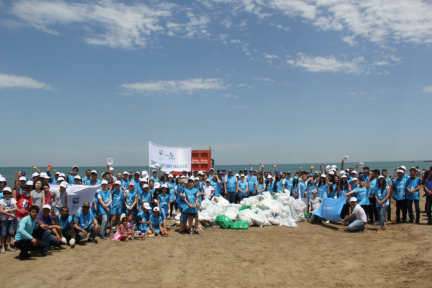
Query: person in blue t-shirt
[155,222]
[362,194]
[399,190]
[163,204]
[389,183]
[295,189]
[322,187]
[130,199]
[260,186]
[66,222]
[190,206]
[371,183]
[251,181]
[143,220]
[242,188]
[230,186]
[154,176]
[104,203]
[117,205]
[413,185]
[93,181]
[125,180]
[382,194]
[84,223]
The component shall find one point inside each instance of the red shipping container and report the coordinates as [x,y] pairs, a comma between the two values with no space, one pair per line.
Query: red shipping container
[201,161]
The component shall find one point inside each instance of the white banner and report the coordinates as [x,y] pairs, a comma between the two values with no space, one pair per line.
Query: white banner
[77,195]
[170,158]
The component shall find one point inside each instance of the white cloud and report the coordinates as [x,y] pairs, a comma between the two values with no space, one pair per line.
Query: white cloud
[227,23]
[240,107]
[284,28]
[14,81]
[189,85]
[327,64]
[427,89]
[263,79]
[350,40]
[235,41]
[231,96]
[269,56]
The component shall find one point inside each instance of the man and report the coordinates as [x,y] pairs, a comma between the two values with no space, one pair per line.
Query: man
[372,182]
[251,180]
[230,186]
[428,190]
[222,185]
[93,181]
[125,180]
[398,191]
[314,204]
[48,228]
[357,220]
[23,238]
[70,176]
[403,168]
[288,181]
[413,184]
[65,221]
[85,223]
[211,172]
[88,176]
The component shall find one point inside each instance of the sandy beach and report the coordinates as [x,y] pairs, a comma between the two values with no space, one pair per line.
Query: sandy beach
[322,255]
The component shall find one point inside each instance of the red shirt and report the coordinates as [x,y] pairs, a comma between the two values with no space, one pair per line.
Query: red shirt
[23,204]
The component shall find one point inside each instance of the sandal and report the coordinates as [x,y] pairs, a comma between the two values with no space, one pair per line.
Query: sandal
[198,232]
[191,233]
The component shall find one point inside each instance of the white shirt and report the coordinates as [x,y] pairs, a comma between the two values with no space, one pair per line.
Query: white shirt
[360,213]
[7,205]
[207,191]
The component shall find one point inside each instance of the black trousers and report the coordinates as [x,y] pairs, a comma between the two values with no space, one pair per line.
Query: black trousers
[410,210]
[389,211]
[428,209]
[365,208]
[373,214]
[26,245]
[401,206]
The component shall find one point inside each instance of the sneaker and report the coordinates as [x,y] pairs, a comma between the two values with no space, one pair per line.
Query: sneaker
[103,237]
[23,256]
[45,253]
[10,249]
[376,223]
[327,221]
[2,250]
[379,230]
[151,235]
[384,228]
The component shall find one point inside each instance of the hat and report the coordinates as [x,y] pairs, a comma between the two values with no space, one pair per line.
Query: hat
[289,172]
[331,173]
[154,171]
[145,186]
[62,175]
[75,166]
[334,167]
[155,209]
[86,204]
[399,171]
[342,172]
[353,199]
[184,171]
[29,183]
[2,179]
[200,173]
[296,177]
[111,168]
[125,173]
[277,171]
[147,206]
[117,182]
[242,175]
[183,177]
[323,175]
[344,176]
[223,169]
[195,171]
[164,186]
[93,172]
[79,177]
[196,179]
[354,179]
[381,177]
[7,189]
[22,178]
[354,172]
[35,174]
[207,180]
[220,172]
[212,169]
[170,176]
[64,184]
[104,182]
[269,177]
[137,172]
[156,185]
[177,176]
[47,206]
[403,167]
[251,170]
[58,179]
[229,170]
[131,184]
[57,173]
[311,175]
[237,175]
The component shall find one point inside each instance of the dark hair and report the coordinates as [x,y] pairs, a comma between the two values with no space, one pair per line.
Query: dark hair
[278,177]
[261,180]
[151,180]
[45,185]
[319,182]
[383,185]
[413,169]
[377,171]
[124,219]
[343,186]
[34,207]
[34,184]
[64,207]
[88,170]
[366,167]
[383,170]
[294,182]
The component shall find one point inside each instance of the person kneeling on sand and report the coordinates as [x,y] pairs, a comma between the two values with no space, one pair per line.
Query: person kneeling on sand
[357,220]
[84,223]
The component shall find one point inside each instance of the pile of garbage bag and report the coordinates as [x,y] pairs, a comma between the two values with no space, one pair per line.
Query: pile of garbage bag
[278,209]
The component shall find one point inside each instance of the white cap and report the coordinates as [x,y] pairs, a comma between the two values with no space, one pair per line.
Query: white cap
[237,175]
[47,206]
[381,177]
[44,175]
[177,176]
[35,174]
[331,173]
[62,175]
[57,173]
[75,166]
[60,179]
[334,167]
[111,169]
[22,178]
[207,180]
[64,184]
[93,171]
[355,172]
[241,175]
[342,172]
[164,186]
[353,199]
[125,173]
[344,176]
[145,186]
[200,173]
[29,183]
[144,173]
[268,177]
[323,175]
[104,182]
[154,171]
[156,185]
[354,179]
[7,189]
[403,167]
[399,171]
[147,206]
[170,176]
[117,182]
[156,209]
[183,176]
[77,177]
[2,179]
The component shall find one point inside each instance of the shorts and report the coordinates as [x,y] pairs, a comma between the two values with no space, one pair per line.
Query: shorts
[183,218]
[194,215]
[7,227]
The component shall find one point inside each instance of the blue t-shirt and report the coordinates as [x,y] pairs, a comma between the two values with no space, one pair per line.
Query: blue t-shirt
[413,184]
[88,182]
[164,202]
[399,188]
[344,190]
[380,195]
[322,191]
[242,187]
[216,187]
[372,185]
[106,197]
[82,220]
[333,190]
[259,188]
[190,195]
[143,216]
[288,183]
[231,184]
[130,199]
[295,189]
[303,190]
[279,186]
[155,179]
[310,189]
[251,183]
[125,184]
[65,224]
[155,221]
[269,186]
[145,197]
[117,202]
[362,196]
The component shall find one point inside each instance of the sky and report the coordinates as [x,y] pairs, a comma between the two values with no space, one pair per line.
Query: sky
[273,81]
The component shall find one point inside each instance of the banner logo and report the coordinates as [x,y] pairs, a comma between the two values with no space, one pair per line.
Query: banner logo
[75,200]
[160,152]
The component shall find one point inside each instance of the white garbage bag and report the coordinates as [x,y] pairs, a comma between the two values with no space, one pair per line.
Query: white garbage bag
[246,215]
[231,213]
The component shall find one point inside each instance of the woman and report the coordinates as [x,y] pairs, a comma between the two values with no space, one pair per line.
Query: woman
[260,187]
[278,184]
[38,195]
[295,189]
[322,188]
[333,187]
[270,183]
[362,194]
[382,193]
[344,189]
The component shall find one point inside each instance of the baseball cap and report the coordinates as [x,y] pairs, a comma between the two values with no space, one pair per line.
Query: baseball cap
[86,204]
[125,173]
[117,182]
[164,186]
[323,175]
[354,179]
[111,168]
[344,176]
[156,185]
[131,184]
[137,172]
[331,173]
[57,173]
[269,177]
[353,199]
[22,178]
[212,169]
[170,176]
[64,184]
[93,172]
[251,170]
[399,171]
[237,175]
[354,172]
[155,209]
[35,174]
[311,175]
[2,179]
[145,186]
[75,166]
[220,172]
[381,177]
[29,183]
[47,206]
[229,170]
[7,189]
[79,177]
[104,182]
[296,177]
[403,167]
[289,172]
[223,169]
[62,175]
[207,180]
[147,206]
[58,179]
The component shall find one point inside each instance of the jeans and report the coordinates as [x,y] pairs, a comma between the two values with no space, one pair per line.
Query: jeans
[410,210]
[373,215]
[7,228]
[251,194]
[104,223]
[356,225]
[89,229]
[242,196]
[428,209]
[46,236]
[231,197]
[382,215]
[401,205]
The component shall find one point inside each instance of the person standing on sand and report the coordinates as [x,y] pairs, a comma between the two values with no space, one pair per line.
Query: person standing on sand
[427,187]
[314,204]
[382,194]
[230,186]
[357,220]
[398,191]
[413,185]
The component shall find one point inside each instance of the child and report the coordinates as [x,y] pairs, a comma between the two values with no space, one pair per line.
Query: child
[242,188]
[129,226]
[7,210]
[130,199]
[199,187]
[163,200]
[104,202]
[117,204]
[190,205]
[143,221]
[208,190]
[172,192]
[122,233]
[155,222]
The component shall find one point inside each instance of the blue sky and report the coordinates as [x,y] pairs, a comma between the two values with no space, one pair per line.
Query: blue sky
[272,81]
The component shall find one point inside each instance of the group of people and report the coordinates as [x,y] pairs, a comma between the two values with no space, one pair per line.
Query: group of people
[136,205]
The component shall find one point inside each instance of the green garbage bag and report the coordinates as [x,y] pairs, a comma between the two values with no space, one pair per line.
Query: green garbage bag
[306,215]
[244,207]
[223,221]
[243,225]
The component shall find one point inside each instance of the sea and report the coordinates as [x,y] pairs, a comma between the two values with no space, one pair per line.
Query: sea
[9,172]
